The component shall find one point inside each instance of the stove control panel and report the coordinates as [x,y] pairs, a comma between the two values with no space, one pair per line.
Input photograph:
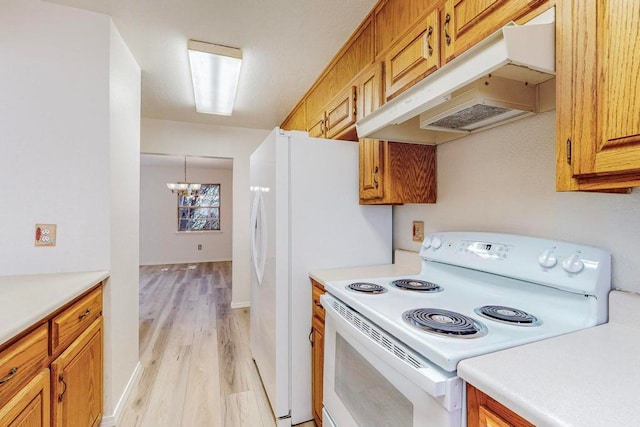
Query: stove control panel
[484,250]
[564,265]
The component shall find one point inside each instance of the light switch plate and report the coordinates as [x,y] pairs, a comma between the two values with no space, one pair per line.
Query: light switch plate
[418,231]
[45,235]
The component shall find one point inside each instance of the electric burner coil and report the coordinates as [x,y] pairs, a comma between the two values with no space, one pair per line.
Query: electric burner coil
[509,315]
[367,288]
[444,322]
[416,285]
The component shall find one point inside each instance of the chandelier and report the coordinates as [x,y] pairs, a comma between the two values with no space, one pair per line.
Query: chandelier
[184,188]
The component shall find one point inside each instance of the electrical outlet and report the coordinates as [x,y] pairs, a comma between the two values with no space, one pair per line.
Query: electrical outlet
[199,247]
[418,231]
[45,235]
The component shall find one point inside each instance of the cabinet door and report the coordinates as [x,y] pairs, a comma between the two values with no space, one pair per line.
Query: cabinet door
[606,69]
[370,90]
[317,369]
[30,407]
[341,113]
[77,380]
[416,55]
[316,127]
[466,22]
[371,169]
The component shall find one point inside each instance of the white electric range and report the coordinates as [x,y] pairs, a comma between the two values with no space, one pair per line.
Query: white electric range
[392,344]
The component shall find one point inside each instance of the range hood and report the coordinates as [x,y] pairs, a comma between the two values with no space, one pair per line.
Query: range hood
[507,76]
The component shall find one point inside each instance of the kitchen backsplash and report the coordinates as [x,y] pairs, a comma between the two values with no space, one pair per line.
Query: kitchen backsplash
[503,180]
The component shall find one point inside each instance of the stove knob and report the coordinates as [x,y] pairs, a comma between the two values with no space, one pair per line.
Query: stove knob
[427,242]
[573,264]
[547,259]
[436,242]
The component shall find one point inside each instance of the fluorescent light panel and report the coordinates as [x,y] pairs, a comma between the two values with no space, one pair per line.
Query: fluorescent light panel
[215,71]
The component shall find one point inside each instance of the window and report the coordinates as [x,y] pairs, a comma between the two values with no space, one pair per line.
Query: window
[201,212]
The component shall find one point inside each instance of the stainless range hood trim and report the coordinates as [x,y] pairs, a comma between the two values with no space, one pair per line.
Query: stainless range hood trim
[526,52]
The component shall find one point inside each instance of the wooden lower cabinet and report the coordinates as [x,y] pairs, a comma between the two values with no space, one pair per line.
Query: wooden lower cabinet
[484,411]
[77,380]
[51,374]
[317,369]
[396,173]
[317,351]
[30,406]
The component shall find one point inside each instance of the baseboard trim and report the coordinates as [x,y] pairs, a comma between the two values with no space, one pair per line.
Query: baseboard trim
[114,419]
[242,304]
[151,264]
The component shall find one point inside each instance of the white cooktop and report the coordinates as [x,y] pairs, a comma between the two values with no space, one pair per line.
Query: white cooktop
[465,289]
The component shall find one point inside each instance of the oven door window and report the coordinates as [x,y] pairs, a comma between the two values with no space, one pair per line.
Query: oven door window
[368,396]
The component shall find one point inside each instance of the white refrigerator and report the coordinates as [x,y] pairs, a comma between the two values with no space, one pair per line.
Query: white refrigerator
[305,216]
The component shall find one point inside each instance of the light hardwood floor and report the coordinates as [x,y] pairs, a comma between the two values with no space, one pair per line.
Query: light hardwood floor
[197,368]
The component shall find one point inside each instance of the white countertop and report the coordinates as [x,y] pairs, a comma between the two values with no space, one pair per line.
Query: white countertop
[407,263]
[586,378]
[27,299]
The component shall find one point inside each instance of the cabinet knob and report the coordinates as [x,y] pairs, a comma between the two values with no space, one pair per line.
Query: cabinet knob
[429,47]
[375,176]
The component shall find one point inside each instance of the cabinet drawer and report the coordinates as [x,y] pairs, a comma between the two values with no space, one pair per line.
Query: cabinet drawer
[317,290]
[69,324]
[21,361]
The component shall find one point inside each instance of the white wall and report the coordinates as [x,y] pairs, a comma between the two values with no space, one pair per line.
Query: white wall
[69,141]
[503,180]
[54,137]
[160,243]
[121,352]
[168,137]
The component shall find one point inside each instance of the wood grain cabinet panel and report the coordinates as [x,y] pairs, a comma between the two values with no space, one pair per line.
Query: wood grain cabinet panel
[297,119]
[598,119]
[484,411]
[65,392]
[371,169]
[341,114]
[467,22]
[21,361]
[30,407]
[77,381]
[394,17]
[68,325]
[407,174]
[317,351]
[414,57]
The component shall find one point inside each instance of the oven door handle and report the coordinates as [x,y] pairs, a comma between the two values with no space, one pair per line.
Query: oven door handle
[428,377]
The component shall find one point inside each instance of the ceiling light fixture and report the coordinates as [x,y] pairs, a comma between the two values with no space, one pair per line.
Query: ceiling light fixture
[184,188]
[215,71]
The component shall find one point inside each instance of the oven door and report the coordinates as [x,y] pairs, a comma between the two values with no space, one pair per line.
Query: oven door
[371,379]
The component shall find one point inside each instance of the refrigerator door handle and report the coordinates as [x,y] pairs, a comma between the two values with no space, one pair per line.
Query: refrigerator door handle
[258,234]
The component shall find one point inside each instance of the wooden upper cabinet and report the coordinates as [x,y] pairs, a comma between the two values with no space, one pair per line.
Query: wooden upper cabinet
[414,56]
[315,127]
[341,114]
[407,173]
[371,169]
[297,120]
[598,116]
[332,88]
[466,22]
[392,18]
[369,90]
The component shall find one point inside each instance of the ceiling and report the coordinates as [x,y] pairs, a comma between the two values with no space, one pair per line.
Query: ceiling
[286,44]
